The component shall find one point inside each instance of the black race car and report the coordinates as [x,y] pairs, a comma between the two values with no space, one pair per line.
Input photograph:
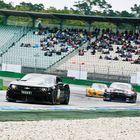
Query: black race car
[40,88]
[123,91]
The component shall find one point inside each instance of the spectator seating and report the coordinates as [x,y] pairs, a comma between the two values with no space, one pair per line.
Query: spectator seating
[96,63]
[7,32]
[29,52]
[31,56]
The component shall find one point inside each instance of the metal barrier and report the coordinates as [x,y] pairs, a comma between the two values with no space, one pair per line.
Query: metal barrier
[68,80]
[1,84]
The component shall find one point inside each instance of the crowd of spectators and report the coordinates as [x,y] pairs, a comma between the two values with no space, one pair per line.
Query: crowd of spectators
[111,45]
[127,42]
[59,41]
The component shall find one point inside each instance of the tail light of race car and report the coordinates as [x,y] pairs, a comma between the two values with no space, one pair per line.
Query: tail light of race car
[129,93]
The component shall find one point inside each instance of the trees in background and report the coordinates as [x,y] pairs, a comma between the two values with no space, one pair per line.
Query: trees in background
[23,6]
[136,10]
[90,7]
[5,5]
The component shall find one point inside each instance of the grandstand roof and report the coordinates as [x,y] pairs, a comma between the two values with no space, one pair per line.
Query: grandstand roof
[87,18]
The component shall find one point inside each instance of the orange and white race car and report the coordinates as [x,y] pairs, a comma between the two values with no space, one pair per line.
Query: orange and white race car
[96,90]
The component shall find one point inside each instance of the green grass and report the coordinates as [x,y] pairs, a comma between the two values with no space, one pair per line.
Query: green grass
[4,88]
[53,115]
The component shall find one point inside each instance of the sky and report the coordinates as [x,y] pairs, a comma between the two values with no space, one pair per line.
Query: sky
[118,5]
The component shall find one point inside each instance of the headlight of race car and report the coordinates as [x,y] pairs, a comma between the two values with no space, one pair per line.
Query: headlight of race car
[43,89]
[14,87]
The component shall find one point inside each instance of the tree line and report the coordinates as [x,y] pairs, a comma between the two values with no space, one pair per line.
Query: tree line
[83,7]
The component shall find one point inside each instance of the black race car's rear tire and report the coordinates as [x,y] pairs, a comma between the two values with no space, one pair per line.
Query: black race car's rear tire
[134,99]
[66,101]
[54,97]
[66,95]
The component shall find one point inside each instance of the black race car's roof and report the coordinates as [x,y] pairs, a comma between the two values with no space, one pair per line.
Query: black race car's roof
[36,80]
[87,18]
[121,85]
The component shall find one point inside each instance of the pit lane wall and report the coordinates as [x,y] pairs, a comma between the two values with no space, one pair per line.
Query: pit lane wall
[67,80]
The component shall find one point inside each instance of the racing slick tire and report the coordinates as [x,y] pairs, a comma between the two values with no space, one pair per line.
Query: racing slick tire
[54,97]
[134,100]
[66,95]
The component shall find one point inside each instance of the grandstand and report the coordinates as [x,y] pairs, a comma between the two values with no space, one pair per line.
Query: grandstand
[9,35]
[7,32]
[103,62]
[33,58]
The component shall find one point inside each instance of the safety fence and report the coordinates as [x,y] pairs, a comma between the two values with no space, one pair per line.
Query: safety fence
[68,80]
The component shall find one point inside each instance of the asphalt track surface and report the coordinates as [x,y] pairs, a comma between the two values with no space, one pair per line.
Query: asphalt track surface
[78,101]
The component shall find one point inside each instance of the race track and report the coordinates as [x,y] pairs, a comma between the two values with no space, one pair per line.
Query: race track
[78,100]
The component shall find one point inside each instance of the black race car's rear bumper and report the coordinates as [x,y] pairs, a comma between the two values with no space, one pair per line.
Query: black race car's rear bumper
[119,96]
